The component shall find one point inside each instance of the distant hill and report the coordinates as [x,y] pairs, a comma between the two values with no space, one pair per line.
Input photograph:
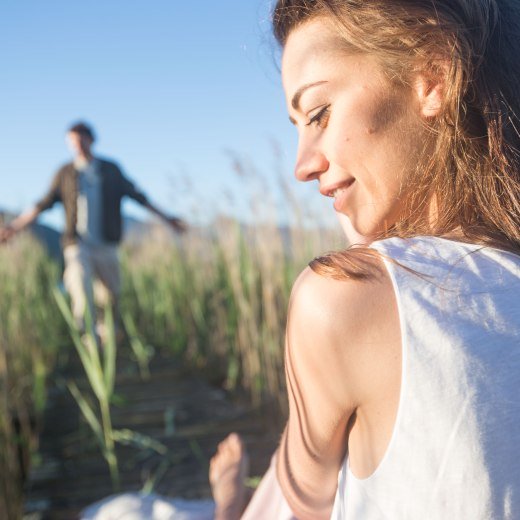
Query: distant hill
[135,231]
[49,238]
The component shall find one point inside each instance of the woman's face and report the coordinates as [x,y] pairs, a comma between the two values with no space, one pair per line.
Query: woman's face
[359,136]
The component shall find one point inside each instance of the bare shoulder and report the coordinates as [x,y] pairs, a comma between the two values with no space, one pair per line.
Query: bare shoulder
[346,324]
[340,304]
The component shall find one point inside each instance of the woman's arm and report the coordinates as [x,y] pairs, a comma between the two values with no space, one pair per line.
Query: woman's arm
[329,324]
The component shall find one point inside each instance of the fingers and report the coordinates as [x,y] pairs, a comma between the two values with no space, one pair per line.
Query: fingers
[179,225]
[6,232]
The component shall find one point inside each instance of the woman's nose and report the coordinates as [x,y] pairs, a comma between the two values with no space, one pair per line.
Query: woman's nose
[310,163]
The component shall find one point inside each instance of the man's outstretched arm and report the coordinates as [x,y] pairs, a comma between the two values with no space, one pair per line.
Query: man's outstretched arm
[133,192]
[29,216]
[22,221]
[175,222]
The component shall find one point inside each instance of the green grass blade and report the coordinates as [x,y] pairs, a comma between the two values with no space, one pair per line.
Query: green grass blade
[152,481]
[142,352]
[88,355]
[88,413]
[109,351]
[126,436]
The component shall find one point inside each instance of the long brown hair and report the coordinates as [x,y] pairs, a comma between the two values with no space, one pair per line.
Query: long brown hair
[472,174]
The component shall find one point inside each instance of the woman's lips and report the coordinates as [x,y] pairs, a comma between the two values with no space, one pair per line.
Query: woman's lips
[340,196]
[339,193]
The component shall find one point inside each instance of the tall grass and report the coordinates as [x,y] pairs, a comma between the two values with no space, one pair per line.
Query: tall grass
[219,297]
[100,372]
[31,332]
[216,297]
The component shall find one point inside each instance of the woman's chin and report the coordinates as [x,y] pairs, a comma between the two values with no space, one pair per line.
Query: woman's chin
[354,236]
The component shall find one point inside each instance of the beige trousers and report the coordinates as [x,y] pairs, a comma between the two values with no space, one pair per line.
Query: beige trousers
[91,277]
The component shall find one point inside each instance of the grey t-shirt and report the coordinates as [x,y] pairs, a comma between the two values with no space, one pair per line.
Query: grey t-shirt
[89,216]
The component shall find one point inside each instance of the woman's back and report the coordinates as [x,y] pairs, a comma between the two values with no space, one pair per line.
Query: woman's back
[454,448]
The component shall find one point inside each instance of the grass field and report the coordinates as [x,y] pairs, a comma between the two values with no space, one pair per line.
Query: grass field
[216,297]
[31,335]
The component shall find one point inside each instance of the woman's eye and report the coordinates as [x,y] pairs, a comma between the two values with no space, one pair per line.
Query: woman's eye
[321,118]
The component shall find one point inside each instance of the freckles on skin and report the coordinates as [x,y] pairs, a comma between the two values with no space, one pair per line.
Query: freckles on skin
[383,122]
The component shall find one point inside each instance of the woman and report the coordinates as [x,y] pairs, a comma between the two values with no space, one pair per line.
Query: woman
[403,358]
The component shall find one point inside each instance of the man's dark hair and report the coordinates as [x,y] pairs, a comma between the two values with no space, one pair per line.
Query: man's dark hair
[84,129]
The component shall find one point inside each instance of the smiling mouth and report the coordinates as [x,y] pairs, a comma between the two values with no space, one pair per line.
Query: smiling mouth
[336,191]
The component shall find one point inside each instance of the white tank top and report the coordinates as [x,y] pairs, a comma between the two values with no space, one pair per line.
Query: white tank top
[455,448]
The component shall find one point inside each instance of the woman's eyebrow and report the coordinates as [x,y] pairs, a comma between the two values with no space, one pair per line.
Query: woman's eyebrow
[295,102]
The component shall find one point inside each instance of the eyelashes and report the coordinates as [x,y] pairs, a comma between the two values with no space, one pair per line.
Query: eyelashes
[321,118]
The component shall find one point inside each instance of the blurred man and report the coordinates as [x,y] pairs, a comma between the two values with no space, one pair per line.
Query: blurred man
[90,189]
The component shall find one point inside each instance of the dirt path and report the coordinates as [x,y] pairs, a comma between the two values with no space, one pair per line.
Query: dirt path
[180,411]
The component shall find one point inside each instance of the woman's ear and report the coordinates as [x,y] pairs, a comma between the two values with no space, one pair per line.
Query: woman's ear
[429,87]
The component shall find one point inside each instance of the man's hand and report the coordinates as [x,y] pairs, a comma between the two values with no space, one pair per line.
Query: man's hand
[6,233]
[20,222]
[177,224]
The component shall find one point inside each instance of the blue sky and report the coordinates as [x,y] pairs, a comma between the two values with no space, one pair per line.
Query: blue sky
[174,89]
